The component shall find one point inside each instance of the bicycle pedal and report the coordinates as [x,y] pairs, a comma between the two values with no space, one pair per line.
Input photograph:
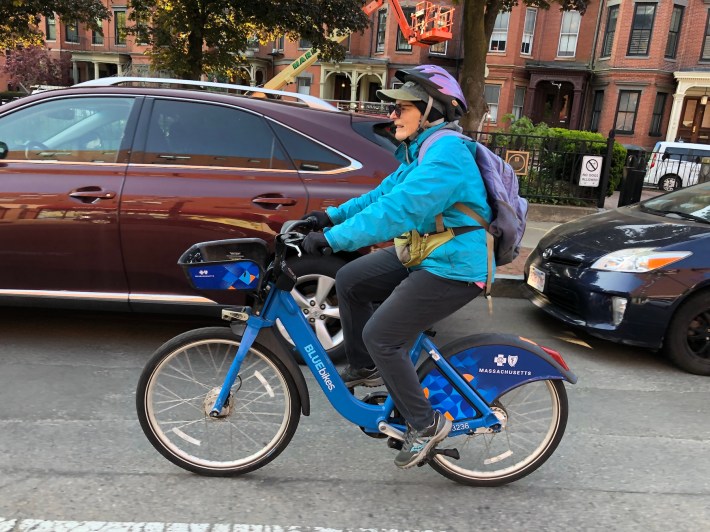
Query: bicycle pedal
[451,453]
[392,443]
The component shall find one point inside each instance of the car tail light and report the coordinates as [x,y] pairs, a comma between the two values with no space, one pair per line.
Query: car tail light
[652,162]
[556,355]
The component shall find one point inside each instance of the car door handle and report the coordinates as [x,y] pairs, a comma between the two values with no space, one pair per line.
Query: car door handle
[91,194]
[273,202]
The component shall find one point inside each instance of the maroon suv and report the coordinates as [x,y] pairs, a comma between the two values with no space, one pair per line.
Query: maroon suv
[103,187]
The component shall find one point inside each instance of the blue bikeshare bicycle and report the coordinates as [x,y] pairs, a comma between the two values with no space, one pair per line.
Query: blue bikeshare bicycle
[217,402]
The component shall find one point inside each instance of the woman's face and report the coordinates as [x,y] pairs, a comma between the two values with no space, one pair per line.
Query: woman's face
[406,119]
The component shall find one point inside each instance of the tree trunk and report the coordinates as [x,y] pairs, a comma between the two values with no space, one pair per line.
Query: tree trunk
[479,18]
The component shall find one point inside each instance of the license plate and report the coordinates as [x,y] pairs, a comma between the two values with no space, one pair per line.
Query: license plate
[536,279]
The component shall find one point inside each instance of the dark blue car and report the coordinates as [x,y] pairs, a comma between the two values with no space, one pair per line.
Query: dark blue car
[638,275]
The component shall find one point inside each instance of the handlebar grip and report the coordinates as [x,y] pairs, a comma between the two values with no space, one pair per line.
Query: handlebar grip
[326,251]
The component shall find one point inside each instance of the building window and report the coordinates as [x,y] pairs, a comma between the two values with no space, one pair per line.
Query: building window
[518,102]
[657,117]
[439,48]
[674,32]
[596,110]
[97,37]
[611,16]
[381,30]
[304,44]
[569,30]
[492,96]
[641,28]
[119,26]
[71,32]
[528,31]
[50,28]
[280,43]
[626,111]
[304,85]
[705,54]
[499,37]
[402,43]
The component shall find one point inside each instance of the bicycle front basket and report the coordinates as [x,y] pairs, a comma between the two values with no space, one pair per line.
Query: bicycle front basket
[236,264]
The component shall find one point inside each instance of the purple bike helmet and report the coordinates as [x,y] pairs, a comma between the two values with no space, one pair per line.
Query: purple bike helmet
[440,85]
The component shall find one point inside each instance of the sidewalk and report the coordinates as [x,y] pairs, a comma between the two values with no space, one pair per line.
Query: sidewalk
[542,218]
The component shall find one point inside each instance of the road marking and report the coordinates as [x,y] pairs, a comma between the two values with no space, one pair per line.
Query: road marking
[37,525]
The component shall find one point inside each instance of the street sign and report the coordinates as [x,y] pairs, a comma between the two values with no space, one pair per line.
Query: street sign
[591,172]
[519,160]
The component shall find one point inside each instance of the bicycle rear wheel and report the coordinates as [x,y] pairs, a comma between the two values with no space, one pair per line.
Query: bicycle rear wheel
[179,385]
[536,418]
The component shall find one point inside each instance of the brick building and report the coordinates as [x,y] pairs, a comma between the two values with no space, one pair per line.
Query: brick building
[640,68]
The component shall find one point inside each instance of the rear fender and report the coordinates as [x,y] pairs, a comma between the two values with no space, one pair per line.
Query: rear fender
[495,364]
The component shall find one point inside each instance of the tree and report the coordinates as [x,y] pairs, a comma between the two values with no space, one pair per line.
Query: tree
[19,18]
[195,37]
[479,19]
[33,65]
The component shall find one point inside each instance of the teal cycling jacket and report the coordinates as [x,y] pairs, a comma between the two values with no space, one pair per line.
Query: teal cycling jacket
[411,197]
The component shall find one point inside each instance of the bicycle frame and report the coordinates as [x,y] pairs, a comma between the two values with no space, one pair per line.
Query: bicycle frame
[280,305]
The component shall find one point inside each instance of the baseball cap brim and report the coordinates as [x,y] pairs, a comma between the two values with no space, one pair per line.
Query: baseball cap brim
[409,92]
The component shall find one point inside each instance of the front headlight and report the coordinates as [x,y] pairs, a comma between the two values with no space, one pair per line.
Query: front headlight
[638,260]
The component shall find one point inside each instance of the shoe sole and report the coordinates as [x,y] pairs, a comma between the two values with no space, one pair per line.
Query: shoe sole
[428,447]
[370,383]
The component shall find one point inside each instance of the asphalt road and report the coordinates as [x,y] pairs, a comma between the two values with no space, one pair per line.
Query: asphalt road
[73,457]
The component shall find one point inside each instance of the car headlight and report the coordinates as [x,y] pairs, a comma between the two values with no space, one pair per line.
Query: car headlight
[638,260]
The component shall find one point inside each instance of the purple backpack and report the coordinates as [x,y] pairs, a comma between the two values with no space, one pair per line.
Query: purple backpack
[509,209]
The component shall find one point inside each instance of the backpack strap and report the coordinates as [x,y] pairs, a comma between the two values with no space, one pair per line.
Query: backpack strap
[489,242]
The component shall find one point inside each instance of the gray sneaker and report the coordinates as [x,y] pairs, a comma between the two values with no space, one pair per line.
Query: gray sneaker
[360,376]
[417,443]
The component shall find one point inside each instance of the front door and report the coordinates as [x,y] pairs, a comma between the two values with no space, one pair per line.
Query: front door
[695,122]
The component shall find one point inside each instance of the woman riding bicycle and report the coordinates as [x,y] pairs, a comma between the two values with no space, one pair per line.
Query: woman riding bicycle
[413,298]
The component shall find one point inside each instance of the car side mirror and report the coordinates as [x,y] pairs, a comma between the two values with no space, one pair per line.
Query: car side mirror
[3,150]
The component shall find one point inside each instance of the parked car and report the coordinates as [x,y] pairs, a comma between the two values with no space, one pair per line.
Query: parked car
[677,164]
[106,183]
[639,275]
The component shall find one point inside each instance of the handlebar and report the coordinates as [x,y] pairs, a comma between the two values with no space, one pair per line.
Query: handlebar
[292,238]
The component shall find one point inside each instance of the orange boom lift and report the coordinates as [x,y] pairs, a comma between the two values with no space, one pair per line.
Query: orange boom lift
[430,24]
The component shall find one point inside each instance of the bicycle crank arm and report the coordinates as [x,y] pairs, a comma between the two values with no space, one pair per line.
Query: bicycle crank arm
[389,430]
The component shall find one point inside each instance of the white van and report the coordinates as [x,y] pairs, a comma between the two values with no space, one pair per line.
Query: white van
[677,164]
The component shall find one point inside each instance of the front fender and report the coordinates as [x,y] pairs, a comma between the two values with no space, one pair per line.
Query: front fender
[495,364]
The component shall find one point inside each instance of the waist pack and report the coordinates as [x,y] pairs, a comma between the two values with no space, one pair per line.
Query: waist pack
[412,248]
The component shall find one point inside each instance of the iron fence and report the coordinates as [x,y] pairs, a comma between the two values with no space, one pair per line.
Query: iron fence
[551,169]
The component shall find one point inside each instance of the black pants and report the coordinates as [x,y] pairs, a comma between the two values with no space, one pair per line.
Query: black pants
[412,301]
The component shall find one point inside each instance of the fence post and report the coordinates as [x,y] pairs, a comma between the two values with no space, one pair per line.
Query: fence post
[606,169]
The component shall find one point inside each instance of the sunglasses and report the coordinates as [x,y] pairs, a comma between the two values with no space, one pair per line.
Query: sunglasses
[395,108]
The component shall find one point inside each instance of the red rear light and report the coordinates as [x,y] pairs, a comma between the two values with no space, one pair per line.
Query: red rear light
[653,161]
[554,354]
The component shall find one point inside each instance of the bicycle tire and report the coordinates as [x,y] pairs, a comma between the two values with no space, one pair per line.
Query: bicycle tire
[536,418]
[178,387]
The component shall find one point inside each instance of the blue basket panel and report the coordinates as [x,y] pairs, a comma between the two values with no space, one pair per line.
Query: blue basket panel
[239,275]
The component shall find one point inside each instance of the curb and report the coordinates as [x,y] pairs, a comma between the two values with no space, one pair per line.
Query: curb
[506,285]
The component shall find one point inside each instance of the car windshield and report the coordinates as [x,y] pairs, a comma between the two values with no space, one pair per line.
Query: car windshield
[692,203]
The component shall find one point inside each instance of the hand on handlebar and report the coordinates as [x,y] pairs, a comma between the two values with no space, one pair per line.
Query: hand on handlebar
[321,219]
[315,244]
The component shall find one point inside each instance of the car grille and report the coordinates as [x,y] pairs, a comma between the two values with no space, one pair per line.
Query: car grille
[562,297]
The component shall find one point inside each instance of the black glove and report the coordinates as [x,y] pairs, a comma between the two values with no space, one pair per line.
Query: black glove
[314,243]
[322,219]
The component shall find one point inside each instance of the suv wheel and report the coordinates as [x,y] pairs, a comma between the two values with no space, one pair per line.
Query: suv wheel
[315,295]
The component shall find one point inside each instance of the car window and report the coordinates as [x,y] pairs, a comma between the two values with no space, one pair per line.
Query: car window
[307,154]
[676,154]
[692,200]
[199,134]
[89,129]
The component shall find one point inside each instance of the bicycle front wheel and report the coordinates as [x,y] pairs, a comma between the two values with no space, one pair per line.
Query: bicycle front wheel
[535,417]
[177,390]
